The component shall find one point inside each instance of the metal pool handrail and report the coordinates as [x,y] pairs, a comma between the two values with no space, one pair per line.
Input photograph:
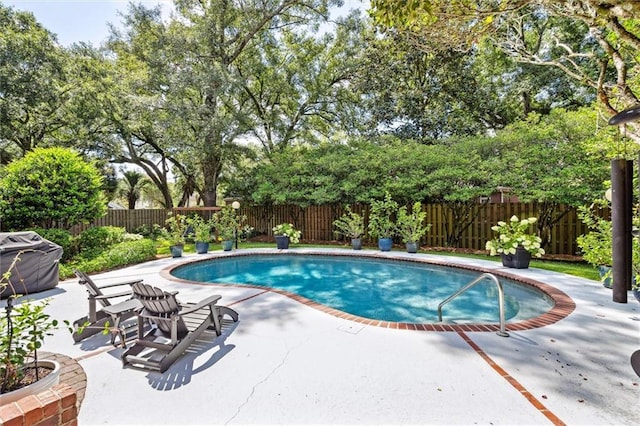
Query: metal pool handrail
[493,278]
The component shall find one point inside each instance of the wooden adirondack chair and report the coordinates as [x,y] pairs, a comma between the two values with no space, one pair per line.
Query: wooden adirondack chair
[177,326]
[114,313]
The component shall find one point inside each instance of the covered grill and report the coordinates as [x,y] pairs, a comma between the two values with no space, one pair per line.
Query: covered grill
[37,269]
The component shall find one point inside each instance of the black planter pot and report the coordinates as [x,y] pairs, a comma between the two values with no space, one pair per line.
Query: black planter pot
[519,260]
[282,242]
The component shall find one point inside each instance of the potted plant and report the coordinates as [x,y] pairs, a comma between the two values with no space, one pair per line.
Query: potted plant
[227,223]
[597,244]
[201,233]
[284,234]
[411,227]
[381,224]
[351,225]
[176,228]
[514,244]
[23,329]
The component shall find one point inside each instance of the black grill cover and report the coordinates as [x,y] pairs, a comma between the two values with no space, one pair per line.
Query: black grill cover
[37,269]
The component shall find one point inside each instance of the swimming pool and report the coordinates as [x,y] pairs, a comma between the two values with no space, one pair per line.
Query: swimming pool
[379,289]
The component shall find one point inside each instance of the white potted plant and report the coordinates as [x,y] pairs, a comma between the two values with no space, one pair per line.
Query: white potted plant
[351,225]
[285,233]
[23,328]
[411,227]
[514,244]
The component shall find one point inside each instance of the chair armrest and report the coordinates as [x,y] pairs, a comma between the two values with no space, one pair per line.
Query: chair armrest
[211,300]
[111,295]
[119,284]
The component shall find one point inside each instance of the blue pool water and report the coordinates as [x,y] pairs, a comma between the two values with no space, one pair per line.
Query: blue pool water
[379,289]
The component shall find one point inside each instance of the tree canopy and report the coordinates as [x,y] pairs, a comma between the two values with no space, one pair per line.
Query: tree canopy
[595,42]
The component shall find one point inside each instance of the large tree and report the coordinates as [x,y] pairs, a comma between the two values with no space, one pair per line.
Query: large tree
[221,72]
[33,85]
[595,42]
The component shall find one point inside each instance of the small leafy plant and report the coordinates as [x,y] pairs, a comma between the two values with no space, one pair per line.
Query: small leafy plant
[513,234]
[23,329]
[201,228]
[381,224]
[287,229]
[350,224]
[597,244]
[227,223]
[176,228]
[410,225]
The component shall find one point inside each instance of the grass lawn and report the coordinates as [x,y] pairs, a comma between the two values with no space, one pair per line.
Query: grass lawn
[579,269]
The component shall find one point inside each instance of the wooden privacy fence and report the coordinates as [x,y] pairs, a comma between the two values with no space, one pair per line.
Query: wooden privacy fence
[128,219]
[316,222]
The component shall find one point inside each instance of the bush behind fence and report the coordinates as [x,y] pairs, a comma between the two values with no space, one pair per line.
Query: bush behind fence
[316,223]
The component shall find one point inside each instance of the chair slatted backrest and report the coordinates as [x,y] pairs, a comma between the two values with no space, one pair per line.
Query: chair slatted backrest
[91,287]
[161,305]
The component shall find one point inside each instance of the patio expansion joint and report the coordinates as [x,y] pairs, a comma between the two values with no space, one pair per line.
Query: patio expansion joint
[555,420]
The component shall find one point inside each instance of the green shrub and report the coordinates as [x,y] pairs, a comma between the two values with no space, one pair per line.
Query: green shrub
[61,237]
[118,255]
[50,188]
[154,232]
[99,238]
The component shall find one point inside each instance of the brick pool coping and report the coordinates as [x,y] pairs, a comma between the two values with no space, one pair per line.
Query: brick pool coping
[563,305]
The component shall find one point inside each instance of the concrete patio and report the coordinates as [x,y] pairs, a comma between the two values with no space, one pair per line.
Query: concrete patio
[288,363]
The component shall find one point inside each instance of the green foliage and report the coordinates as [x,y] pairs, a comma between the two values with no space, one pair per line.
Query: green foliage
[597,244]
[32,83]
[287,230]
[350,224]
[62,237]
[513,234]
[50,187]
[381,224]
[118,255]
[23,329]
[227,223]
[153,232]
[410,225]
[543,33]
[176,229]
[99,238]
[201,228]
[131,187]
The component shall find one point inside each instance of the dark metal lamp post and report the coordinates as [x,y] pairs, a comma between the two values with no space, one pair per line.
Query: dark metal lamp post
[236,206]
[621,213]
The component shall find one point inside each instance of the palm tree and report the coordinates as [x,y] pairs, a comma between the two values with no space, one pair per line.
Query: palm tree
[132,185]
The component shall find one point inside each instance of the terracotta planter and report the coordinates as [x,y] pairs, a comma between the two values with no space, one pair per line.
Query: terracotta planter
[519,260]
[50,380]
